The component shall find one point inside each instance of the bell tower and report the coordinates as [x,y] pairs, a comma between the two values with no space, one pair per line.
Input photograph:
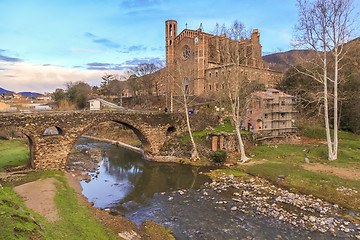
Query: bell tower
[170,35]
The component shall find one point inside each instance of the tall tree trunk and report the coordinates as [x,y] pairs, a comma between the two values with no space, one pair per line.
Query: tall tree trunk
[326,108]
[336,104]
[195,154]
[244,158]
[237,121]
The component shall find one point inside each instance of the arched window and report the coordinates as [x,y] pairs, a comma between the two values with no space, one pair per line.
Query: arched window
[170,31]
[186,84]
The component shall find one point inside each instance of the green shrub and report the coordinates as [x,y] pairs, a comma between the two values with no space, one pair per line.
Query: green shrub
[219,156]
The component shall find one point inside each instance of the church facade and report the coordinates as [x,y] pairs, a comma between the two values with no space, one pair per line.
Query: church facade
[202,61]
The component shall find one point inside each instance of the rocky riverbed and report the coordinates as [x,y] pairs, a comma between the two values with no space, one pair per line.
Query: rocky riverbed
[258,196]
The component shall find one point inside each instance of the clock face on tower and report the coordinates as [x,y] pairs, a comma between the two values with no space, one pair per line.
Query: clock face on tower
[186,52]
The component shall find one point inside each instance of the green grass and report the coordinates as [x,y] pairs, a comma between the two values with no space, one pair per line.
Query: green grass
[15,223]
[13,153]
[76,220]
[199,136]
[287,160]
[318,132]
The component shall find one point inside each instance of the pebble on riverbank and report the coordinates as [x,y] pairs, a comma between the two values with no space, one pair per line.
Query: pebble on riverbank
[305,211]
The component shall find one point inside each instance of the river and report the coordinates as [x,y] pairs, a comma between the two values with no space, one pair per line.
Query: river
[173,195]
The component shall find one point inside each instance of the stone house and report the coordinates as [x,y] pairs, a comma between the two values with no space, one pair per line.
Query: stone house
[272,113]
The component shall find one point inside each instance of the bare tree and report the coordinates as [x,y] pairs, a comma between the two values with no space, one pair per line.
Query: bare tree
[324,27]
[340,22]
[236,31]
[216,30]
[148,81]
[238,87]
[180,83]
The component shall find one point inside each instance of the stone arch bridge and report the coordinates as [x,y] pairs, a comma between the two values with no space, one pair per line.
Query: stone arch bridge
[50,152]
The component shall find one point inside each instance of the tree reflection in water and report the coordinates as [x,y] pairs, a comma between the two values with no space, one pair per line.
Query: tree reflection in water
[137,179]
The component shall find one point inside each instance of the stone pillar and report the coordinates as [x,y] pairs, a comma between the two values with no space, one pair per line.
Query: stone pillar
[221,142]
[214,143]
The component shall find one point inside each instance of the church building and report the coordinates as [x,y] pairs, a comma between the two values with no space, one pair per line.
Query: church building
[202,61]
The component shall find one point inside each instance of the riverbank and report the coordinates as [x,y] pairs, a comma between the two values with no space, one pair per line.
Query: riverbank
[49,205]
[254,195]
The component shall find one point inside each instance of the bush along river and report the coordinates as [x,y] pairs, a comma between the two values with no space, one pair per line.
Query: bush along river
[190,204]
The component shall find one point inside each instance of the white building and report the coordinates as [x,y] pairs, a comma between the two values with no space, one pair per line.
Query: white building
[95,104]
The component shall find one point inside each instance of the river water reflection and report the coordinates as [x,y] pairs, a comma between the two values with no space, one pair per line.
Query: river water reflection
[144,190]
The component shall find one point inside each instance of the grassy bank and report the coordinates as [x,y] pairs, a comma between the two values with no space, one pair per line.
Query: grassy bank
[76,220]
[13,153]
[270,161]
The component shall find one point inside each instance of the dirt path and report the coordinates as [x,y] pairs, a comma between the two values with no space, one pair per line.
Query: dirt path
[346,173]
[39,196]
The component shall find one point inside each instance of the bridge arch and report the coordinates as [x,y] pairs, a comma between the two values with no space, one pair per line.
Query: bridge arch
[31,144]
[145,143]
[52,130]
[29,136]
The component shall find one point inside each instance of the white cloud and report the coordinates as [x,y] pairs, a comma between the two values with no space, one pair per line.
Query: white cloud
[22,76]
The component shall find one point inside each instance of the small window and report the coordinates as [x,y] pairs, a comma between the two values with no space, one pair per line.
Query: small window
[266,116]
[210,87]
[217,74]
[282,115]
[210,75]
[282,102]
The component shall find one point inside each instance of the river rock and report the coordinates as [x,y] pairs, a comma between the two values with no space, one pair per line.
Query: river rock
[231,177]
[234,208]
[306,160]
[245,193]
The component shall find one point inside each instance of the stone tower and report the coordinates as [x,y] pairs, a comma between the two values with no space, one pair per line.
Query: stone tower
[170,35]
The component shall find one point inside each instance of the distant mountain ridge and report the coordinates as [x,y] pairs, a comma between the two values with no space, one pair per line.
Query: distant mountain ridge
[25,94]
[29,94]
[2,90]
[284,60]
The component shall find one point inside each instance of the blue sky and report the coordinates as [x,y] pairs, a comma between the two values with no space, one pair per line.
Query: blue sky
[46,43]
